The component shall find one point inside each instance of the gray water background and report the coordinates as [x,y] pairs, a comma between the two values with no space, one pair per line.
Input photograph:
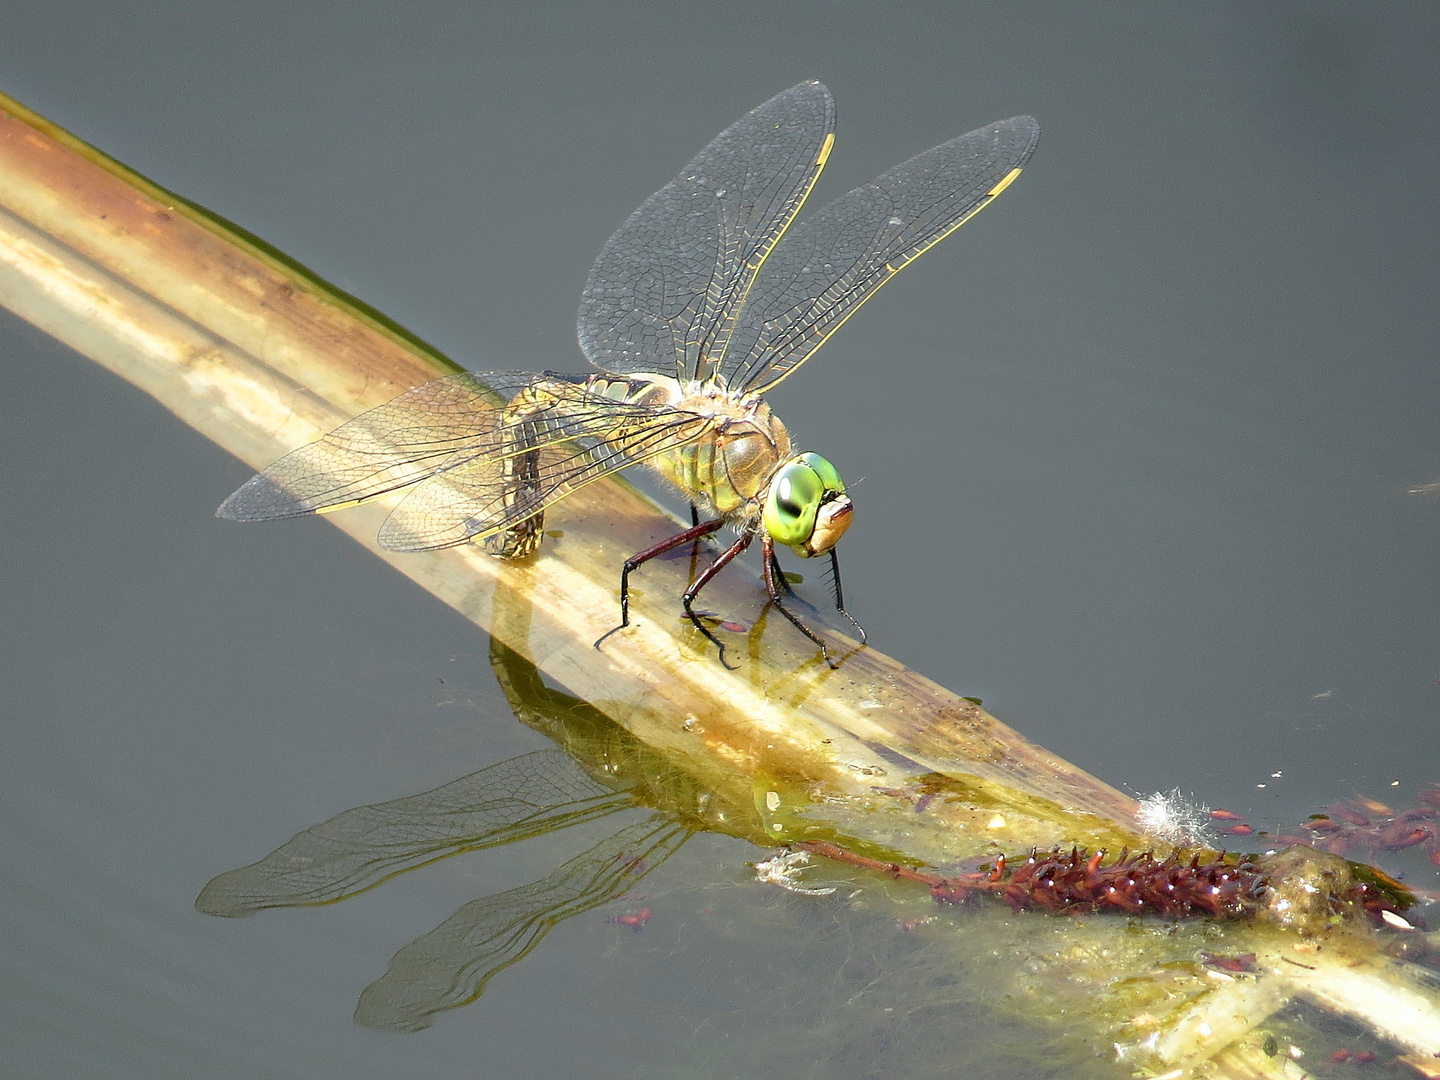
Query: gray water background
[1129,452]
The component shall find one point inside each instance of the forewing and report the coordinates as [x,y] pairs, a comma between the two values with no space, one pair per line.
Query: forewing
[666,290]
[835,260]
[478,497]
[389,447]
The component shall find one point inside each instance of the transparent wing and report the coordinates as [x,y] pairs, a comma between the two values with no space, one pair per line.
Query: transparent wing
[388,447]
[526,796]
[666,290]
[835,260]
[583,439]
[451,965]
[454,439]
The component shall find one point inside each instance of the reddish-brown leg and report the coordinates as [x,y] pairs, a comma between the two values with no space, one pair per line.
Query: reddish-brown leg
[772,573]
[709,572]
[695,532]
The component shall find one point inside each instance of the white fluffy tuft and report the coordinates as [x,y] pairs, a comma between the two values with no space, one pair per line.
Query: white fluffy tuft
[1175,819]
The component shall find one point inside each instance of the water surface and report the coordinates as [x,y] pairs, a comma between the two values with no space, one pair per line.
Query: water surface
[1132,450]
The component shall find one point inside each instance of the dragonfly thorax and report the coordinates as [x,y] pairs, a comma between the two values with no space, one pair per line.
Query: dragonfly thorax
[743,467]
[729,469]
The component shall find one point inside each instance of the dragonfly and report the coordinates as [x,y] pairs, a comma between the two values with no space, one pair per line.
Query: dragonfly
[701,303]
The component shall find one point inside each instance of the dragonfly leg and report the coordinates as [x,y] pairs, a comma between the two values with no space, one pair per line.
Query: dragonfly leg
[695,547]
[779,574]
[704,579]
[639,559]
[840,596]
[767,545]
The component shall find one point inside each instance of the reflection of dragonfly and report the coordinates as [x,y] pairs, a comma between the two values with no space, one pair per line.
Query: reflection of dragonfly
[536,794]
[694,309]
[532,795]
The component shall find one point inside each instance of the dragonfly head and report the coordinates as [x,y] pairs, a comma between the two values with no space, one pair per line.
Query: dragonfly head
[806,507]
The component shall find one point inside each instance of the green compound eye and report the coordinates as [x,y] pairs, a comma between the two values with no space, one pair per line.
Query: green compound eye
[799,490]
[828,474]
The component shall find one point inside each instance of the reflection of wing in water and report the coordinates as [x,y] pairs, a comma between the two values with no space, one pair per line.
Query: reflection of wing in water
[449,966]
[357,850]
[526,796]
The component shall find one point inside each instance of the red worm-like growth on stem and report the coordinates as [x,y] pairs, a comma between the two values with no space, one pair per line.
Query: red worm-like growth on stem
[1076,882]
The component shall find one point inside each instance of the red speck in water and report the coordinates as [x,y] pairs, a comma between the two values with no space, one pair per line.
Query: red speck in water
[720,621]
[1402,835]
[1344,813]
[1238,830]
[1339,1057]
[635,920]
[1364,1057]
[1242,962]
[1373,806]
[1225,815]
[1338,845]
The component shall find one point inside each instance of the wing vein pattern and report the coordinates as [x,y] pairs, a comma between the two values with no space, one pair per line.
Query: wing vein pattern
[666,291]
[832,262]
[450,441]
